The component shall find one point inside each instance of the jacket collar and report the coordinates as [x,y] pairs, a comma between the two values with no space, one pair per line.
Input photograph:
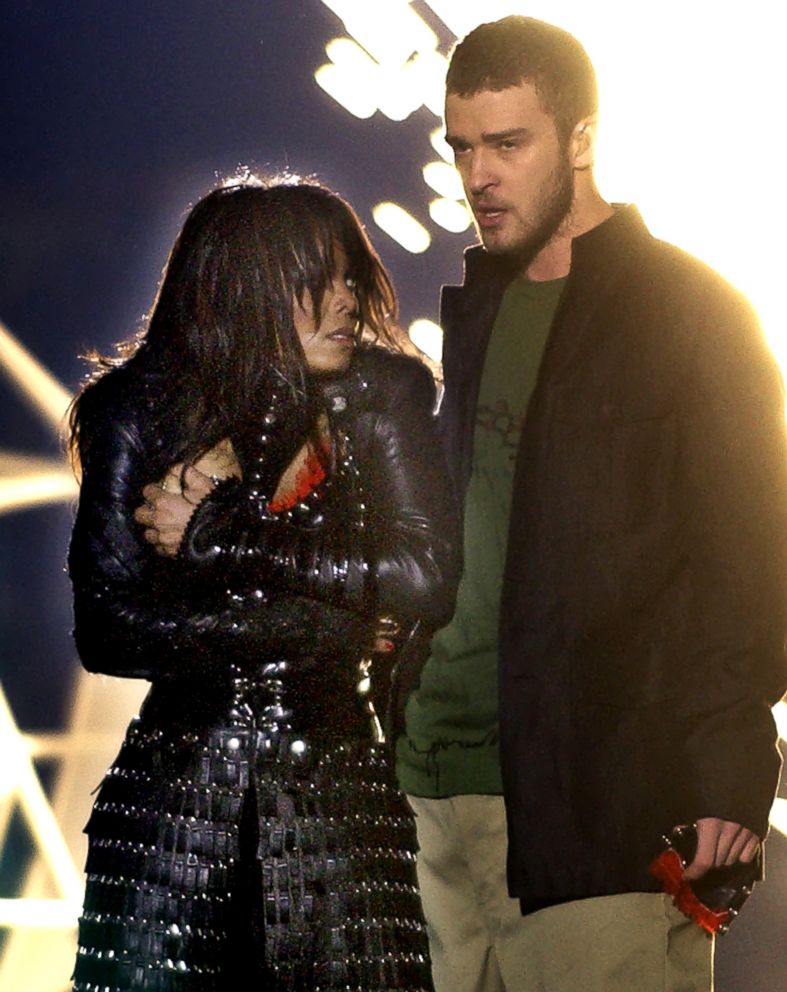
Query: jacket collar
[603,241]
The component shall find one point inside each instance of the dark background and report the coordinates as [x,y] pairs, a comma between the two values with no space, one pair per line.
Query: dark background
[114,117]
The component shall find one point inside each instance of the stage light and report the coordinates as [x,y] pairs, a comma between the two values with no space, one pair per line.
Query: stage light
[45,910]
[350,79]
[402,227]
[780,716]
[449,211]
[431,68]
[400,90]
[686,145]
[440,145]
[779,816]
[24,491]
[450,215]
[444,179]
[391,64]
[25,480]
[461,16]
[40,388]
[390,30]
[427,336]
[21,787]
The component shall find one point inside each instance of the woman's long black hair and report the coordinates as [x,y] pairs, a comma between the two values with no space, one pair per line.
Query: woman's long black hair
[223,315]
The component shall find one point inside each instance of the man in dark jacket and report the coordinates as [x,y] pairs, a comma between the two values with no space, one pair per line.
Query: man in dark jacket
[615,424]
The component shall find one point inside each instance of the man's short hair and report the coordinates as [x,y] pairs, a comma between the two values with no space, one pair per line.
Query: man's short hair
[518,50]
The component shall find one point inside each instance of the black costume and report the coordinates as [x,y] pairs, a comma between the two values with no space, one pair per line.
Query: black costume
[644,604]
[249,830]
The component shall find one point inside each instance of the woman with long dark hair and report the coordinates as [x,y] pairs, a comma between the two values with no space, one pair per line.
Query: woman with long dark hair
[248,834]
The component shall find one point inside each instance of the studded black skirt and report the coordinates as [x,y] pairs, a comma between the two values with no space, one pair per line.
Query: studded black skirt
[250,855]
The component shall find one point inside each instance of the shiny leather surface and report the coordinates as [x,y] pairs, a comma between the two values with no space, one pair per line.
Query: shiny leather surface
[248,821]
[384,538]
[249,851]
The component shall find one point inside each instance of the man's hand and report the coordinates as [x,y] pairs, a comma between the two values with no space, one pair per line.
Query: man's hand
[720,843]
[168,507]
[385,635]
[169,504]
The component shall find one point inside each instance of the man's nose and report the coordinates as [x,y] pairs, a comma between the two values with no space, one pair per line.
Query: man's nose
[479,175]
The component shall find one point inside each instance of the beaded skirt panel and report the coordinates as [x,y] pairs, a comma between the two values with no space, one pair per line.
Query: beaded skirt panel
[250,856]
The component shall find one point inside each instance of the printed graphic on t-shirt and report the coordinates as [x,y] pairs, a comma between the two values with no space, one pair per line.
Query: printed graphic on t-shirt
[500,420]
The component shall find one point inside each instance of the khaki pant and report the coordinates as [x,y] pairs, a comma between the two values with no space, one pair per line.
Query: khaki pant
[480,942]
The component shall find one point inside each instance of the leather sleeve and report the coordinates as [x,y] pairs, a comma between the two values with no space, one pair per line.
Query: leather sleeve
[413,517]
[401,558]
[141,616]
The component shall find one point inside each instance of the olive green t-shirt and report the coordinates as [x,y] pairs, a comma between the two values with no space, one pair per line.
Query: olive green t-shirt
[451,740]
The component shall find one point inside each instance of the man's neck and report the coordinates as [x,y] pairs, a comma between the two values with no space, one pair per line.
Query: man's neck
[554,260]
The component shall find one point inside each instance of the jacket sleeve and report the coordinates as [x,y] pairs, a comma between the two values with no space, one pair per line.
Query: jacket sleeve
[141,616]
[400,559]
[734,467]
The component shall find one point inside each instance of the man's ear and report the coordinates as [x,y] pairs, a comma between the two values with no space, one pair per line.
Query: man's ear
[582,145]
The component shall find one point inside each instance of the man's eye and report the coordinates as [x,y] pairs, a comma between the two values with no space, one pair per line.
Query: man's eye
[351,282]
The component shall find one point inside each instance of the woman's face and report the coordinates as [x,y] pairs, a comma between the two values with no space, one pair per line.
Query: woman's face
[328,342]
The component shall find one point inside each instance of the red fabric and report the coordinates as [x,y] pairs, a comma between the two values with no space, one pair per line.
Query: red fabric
[308,478]
[668,870]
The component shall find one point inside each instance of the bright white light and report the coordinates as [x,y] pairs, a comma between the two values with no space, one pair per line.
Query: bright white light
[689,146]
[461,16]
[450,215]
[427,336]
[16,463]
[780,716]
[345,91]
[431,68]
[21,783]
[42,914]
[351,78]
[440,145]
[25,480]
[350,56]
[23,491]
[400,90]
[362,85]
[444,179]
[779,816]
[390,30]
[402,227]
[39,386]
[401,72]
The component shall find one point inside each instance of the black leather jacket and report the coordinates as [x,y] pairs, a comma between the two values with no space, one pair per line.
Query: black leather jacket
[248,586]
[255,739]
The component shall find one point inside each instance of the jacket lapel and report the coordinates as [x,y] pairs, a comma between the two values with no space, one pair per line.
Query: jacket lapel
[469,311]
